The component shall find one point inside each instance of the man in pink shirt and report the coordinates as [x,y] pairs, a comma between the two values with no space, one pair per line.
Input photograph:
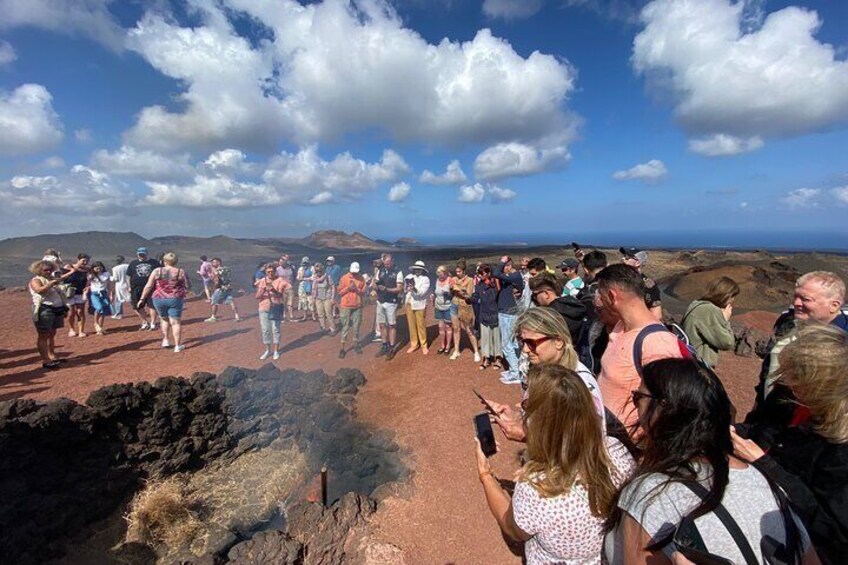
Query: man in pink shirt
[621,292]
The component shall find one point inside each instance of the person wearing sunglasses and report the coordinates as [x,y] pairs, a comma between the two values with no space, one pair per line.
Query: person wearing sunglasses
[567,485]
[48,308]
[544,338]
[688,481]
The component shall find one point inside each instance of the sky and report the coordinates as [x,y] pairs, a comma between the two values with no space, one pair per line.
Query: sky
[424,118]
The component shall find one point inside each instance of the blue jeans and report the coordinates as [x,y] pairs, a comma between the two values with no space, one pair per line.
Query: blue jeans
[509,347]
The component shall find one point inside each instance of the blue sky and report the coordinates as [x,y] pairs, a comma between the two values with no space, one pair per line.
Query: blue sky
[274,118]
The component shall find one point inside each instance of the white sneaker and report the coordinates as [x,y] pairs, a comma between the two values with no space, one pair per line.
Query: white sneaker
[166,343]
[72,333]
[454,356]
[145,325]
[508,378]
[211,319]
[276,355]
[265,355]
[152,327]
[178,348]
[477,358]
[238,318]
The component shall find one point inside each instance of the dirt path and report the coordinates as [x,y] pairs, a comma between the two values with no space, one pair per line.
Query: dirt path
[440,516]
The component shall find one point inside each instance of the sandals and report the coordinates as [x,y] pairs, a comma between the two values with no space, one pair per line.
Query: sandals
[485,364]
[51,364]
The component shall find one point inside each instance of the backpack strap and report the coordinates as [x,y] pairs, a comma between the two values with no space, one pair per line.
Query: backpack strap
[728,522]
[637,343]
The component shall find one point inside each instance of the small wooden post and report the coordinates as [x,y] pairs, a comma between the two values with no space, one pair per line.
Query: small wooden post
[324,486]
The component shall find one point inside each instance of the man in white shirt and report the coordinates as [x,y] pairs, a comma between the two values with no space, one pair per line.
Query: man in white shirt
[121,292]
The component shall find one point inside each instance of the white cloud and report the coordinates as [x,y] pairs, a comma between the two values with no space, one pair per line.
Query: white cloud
[518,159]
[511,9]
[743,204]
[733,78]
[651,172]
[399,192]
[226,179]
[334,68]
[801,198]
[28,123]
[82,188]
[90,18]
[453,175]
[7,53]
[142,164]
[841,194]
[321,198]
[54,162]
[722,145]
[499,194]
[472,193]
[83,135]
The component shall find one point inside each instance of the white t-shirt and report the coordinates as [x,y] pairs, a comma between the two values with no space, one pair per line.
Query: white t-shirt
[100,282]
[748,498]
[563,527]
[122,282]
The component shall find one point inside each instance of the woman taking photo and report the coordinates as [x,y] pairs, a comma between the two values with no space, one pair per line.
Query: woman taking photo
[544,338]
[323,294]
[78,279]
[48,308]
[810,461]
[417,287]
[688,481]
[443,309]
[462,288]
[270,292]
[707,320]
[486,301]
[99,295]
[567,486]
[168,285]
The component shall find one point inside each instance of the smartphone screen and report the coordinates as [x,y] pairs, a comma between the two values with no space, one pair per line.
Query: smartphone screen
[485,402]
[485,434]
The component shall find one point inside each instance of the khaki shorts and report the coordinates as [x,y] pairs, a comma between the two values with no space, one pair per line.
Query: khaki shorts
[387,313]
[288,297]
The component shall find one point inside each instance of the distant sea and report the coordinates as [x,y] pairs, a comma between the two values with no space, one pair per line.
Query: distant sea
[796,241]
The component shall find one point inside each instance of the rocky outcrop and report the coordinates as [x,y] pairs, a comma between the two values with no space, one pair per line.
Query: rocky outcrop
[65,465]
[750,342]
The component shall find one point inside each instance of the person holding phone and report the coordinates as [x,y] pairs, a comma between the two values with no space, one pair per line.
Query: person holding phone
[688,474]
[271,293]
[352,296]
[443,308]
[462,288]
[567,485]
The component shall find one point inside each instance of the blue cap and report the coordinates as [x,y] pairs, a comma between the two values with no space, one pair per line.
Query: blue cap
[141,251]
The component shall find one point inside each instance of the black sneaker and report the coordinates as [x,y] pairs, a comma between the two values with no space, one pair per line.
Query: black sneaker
[391,354]
[342,353]
[358,349]
[384,349]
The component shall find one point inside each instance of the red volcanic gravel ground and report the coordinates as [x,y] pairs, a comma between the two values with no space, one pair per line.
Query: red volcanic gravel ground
[439,516]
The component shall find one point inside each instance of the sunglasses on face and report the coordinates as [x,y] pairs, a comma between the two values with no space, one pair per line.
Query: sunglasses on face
[532,344]
[638,396]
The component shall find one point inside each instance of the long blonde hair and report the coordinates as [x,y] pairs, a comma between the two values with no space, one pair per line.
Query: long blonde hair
[815,367]
[565,442]
[547,321]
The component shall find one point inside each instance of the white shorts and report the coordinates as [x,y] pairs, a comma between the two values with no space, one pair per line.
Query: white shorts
[77,300]
[387,313]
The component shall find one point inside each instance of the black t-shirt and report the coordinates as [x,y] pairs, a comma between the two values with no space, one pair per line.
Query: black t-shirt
[139,271]
[78,280]
[388,278]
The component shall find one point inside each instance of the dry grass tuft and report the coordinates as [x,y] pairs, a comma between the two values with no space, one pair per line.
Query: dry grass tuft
[184,511]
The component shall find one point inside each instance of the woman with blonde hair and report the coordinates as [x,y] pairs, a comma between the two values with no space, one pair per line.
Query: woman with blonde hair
[543,337]
[168,285]
[707,320]
[567,486]
[809,460]
[48,308]
[443,308]
[462,288]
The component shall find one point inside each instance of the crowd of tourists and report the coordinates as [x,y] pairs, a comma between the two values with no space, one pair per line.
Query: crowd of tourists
[631,454]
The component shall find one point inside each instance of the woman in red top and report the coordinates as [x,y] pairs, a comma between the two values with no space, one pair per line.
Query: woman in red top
[168,285]
[270,292]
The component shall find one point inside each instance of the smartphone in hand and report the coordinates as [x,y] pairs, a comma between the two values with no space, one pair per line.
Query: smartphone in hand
[485,434]
[485,402]
[575,245]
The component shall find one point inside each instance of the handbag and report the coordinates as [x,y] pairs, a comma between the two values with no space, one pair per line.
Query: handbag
[276,312]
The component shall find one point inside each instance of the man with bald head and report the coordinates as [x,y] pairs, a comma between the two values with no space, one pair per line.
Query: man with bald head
[819,297]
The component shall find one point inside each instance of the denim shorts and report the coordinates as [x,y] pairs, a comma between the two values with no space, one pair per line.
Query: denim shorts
[169,307]
[222,297]
[444,315]
[100,303]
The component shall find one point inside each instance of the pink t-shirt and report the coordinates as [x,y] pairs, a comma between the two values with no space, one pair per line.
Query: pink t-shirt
[266,296]
[618,378]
